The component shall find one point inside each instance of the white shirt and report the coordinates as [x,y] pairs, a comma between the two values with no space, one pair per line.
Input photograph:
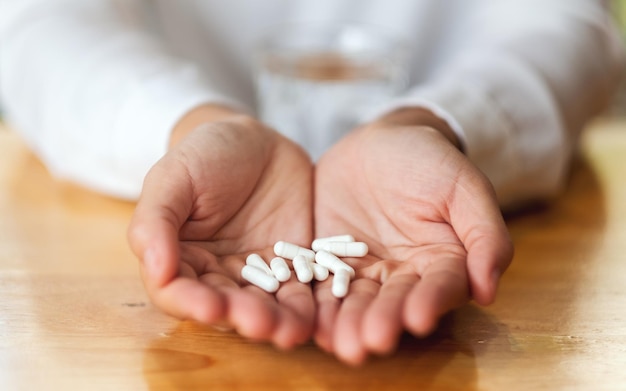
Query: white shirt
[95,87]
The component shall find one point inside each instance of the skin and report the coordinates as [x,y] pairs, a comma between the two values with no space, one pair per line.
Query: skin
[224,190]
[400,184]
[435,233]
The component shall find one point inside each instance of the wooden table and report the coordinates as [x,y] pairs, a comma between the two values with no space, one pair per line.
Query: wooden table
[74,316]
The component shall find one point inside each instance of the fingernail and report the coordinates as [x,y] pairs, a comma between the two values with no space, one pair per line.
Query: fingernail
[150,263]
[495,277]
[495,280]
[222,326]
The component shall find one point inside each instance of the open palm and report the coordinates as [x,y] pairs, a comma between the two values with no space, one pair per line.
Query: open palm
[228,189]
[435,234]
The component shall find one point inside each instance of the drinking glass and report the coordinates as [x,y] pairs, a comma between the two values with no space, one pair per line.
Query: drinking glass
[316,82]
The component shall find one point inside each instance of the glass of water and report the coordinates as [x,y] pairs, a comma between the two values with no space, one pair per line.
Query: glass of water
[316,82]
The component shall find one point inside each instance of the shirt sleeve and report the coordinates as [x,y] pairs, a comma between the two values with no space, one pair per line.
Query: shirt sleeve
[529,76]
[92,90]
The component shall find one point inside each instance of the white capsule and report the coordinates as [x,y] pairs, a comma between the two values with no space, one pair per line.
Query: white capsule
[290,250]
[280,269]
[258,277]
[341,281]
[317,243]
[343,249]
[320,273]
[332,263]
[256,261]
[303,269]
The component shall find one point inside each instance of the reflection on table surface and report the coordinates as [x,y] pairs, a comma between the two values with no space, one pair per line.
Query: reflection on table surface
[74,314]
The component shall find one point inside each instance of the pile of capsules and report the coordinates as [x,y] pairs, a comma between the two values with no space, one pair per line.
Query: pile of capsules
[308,264]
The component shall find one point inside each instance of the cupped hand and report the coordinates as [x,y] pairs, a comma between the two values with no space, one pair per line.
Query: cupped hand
[433,226]
[227,189]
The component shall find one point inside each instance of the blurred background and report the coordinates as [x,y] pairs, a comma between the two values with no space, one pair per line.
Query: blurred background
[619,106]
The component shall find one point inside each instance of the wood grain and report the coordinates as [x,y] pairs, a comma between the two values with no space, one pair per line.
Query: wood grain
[74,316]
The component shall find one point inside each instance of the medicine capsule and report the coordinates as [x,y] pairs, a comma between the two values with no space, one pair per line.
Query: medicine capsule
[332,263]
[258,277]
[256,261]
[341,281]
[343,249]
[317,243]
[290,250]
[303,269]
[280,269]
[320,273]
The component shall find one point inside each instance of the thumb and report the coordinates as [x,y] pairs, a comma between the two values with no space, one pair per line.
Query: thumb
[479,224]
[153,234]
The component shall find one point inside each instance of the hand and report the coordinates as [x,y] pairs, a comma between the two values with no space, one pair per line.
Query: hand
[432,223]
[229,188]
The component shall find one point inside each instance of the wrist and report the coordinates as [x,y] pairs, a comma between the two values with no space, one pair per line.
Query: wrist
[197,116]
[417,116]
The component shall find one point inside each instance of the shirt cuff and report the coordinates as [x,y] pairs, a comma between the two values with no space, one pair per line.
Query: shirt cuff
[484,131]
[424,101]
[146,121]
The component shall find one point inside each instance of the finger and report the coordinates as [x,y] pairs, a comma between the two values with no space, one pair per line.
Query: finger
[477,219]
[443,287]
[347,340]
[163,207]
[252,312]
[296,314]
[186,298]
[383,323]
[488,256]
[327,309]
[248,309]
